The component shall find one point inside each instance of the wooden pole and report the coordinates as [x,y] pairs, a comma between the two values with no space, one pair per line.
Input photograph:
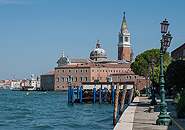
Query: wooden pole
[116,104]
[130,96]
[123,99]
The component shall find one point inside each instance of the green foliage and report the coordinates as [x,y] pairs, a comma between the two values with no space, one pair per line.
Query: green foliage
[137,93]
[143,61]
[175,75]
[176,99]
[179,103]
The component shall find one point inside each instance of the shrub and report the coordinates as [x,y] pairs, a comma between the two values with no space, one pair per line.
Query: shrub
[180,107]
[137,93]
[176,99]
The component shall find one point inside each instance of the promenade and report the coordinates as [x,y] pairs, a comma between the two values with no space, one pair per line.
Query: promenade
[137,116]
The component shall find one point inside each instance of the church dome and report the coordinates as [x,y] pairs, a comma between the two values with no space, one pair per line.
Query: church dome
[98,52]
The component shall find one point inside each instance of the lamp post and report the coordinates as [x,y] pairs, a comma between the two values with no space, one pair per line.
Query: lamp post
[149,93]
[153,102]
[163,117]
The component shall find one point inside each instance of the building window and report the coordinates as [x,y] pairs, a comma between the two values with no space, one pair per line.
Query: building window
[100,78]
[93,78]
[76,79]
[85,71]
[57,86]
[81,79]
[62,71]
[103,70]
[92,70]
[71,79]
[57,71]
[135,77]
[100,70]
[129,77]
[119,71]
[86,79]
[69,71]
[122,70]
[126,77]
[62,79]
[126,39]
[114,70]
[111,70]
[57,79]
[62,86]
[76,71]
[97,70]
[118,77]
[106,78]
[81,71]
[97,78]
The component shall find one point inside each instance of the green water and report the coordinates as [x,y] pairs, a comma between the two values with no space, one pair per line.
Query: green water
[51,110]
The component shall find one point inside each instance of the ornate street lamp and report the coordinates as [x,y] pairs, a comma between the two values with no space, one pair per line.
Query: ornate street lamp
[163,117]
[149,93]
[153,102]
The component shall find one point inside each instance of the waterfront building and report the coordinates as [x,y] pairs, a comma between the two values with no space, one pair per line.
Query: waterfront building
[15,84]
[99,68]
[47,81]
[179,53]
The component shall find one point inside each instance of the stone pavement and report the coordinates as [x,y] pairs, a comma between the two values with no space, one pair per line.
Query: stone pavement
[137,116]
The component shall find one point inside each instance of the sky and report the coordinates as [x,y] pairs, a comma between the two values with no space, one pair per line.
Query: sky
[34,33]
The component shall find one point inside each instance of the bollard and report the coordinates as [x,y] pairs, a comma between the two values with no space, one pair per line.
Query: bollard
[69,94]
[105,94]
[80,95]
[77,92]
[151,109]
[112,94]
[100,95]
[72,94]
[116,104]
[94,95]
[123,99]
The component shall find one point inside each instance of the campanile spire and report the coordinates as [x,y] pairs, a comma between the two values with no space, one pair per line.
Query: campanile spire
[124,25]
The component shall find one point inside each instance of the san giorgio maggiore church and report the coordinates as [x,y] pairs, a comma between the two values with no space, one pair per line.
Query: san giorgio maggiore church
[98,68]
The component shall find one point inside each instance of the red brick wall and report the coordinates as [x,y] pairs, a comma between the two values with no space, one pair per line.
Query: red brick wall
[125,51]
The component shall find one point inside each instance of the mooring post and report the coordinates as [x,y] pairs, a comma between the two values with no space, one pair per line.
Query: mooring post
[72,90]
[69,94]
[77,92]
[100,95]
[123,99]
[80,95]
[105,94]
[130,96]
[112,94]
[94,95]
[116,104]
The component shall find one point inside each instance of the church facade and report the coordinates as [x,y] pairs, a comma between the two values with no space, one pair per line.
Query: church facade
[99,68]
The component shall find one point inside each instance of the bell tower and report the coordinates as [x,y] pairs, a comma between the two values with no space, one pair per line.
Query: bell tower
[124,42]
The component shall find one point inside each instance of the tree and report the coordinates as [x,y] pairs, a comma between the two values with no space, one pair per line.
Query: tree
[175,75]
[143,61]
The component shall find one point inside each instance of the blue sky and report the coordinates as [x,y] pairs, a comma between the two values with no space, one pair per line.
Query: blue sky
[33,33]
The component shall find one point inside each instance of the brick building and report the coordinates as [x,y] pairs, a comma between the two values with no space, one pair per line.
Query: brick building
[47,81]
[179,53]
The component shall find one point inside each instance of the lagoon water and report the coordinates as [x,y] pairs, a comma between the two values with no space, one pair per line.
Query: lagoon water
[51,110]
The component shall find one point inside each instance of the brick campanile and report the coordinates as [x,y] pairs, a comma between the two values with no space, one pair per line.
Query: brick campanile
[124,42]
